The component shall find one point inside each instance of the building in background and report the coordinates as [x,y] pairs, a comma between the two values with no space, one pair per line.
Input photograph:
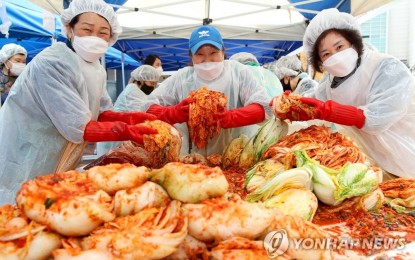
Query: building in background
[391,29]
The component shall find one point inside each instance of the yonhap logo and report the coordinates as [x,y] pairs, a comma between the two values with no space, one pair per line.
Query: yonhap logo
[276,243]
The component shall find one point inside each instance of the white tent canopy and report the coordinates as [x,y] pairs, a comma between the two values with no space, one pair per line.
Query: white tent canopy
[237,19]
[272,28]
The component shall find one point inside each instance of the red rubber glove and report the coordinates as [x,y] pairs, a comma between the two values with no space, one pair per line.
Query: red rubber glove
[130,118]
[248,115]
[173,114]
[337,113]
[115,131]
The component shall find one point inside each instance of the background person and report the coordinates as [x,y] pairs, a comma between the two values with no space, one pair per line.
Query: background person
[289,72]
[141,84]
[264,76]
[371,92]
[60,101]
[12,63]
[247,99]
[155,61]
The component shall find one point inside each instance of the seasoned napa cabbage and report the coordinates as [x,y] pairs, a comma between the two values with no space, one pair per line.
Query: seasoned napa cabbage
[332,187]
[233,151]
[261,172]
[293,178]
[191,182]
[295,202]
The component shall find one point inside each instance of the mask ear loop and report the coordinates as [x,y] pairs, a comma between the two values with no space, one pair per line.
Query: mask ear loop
[7,67]
[73,36]
[6,78]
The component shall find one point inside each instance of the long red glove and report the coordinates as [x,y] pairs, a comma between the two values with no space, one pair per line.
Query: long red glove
[248,115]
[115,131]
[173,114]
[336,113]
[130,118]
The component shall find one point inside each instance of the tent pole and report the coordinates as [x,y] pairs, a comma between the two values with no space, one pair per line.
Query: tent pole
[207,8]
[122,70]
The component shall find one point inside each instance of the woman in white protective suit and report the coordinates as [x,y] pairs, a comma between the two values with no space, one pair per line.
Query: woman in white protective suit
[60,101]
[143,80]
[141,84]
[288,70]
[12,63]
[372,93]
[247,99]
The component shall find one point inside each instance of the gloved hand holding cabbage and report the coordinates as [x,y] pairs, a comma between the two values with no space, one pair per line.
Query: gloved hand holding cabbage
[296,108]
[118,126]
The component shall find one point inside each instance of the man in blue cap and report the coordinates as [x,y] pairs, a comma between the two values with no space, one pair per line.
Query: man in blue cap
[247,99]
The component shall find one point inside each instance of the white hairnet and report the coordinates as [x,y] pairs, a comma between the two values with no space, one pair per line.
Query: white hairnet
[290,62]
[244,58]
[287,66]
[323,21]
[145,73]
[93,6]
[9,50]
[283,71]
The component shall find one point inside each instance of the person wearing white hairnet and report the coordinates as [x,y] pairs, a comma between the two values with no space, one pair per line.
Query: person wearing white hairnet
[60,102]
[12,63]
[247,99]
[265,77]
[370,92]
[286,69]
[142,82]
[289,72]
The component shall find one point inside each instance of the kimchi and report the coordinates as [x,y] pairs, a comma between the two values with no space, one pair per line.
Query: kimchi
[203,115]
[289,105]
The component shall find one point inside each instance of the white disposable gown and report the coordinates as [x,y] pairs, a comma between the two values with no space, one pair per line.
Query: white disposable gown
[269,80]
[272,86]
[236,82]
[48,108]
[130,99]
[384,89]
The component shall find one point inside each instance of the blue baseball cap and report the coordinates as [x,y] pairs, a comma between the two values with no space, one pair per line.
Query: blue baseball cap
[205,35]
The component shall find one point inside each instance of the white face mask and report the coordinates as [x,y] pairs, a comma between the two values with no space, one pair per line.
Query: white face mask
[159,70]
[16,68]
[89,48]
[209,70]
[342,63]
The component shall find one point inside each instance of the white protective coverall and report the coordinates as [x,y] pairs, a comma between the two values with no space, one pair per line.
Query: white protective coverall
[47,111]
[383,88]
[236,82]
[130,99]
[269,79]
